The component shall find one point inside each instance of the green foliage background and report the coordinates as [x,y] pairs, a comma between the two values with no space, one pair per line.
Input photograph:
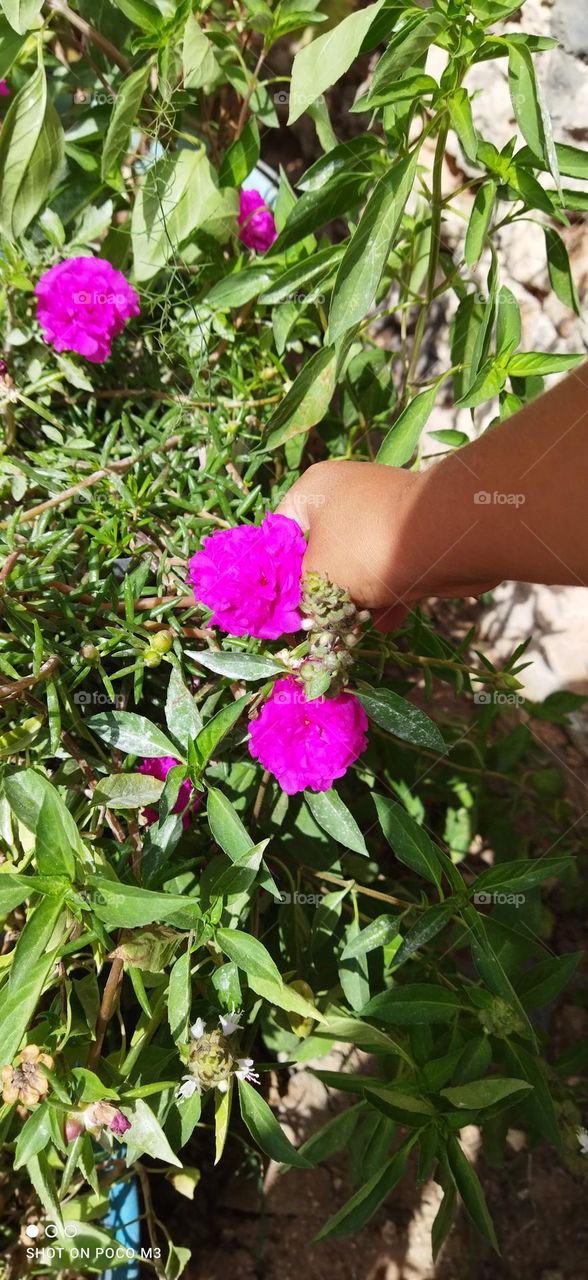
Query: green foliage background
[130,128]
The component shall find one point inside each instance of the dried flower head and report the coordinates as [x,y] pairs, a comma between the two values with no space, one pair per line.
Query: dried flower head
[212,1060]
[24,1081]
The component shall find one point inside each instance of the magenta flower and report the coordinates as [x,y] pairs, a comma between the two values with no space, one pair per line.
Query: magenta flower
[307,744]
[257,228]
[83,303]
[159,767]
[251,577]
[93,1118]
[4,89]
[119,1124]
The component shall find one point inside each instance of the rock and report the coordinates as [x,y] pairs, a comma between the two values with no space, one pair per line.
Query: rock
[570,26]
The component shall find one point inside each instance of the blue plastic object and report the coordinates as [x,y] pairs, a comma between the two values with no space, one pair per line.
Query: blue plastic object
[124,1222]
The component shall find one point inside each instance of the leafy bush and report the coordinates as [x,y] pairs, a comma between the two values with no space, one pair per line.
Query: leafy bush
[156,880]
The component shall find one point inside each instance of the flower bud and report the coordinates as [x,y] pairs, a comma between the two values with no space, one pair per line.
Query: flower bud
[151,659]
[162,642]
[89,652]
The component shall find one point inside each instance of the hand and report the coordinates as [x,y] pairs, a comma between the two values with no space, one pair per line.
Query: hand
[372,529]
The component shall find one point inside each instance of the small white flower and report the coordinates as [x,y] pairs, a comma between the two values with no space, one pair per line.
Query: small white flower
[583,1140]
[188,1087]
[223,1086]
[244,1070]
[230,1022]
[198,1029]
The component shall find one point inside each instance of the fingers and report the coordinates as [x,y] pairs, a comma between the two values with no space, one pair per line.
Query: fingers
[290,506]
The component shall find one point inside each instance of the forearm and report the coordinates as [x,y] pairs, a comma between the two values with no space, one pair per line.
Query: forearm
[513,504]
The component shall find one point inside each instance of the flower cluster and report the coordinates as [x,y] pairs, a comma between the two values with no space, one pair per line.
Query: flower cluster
[251,578]
[307,744]
[159,767]
[257,228]
[24,1081]
[95,1118]
[83,304]
[213,1060]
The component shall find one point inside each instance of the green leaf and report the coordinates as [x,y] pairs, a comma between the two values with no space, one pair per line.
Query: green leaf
[127,791]
[133,734]
[379,933]
[334,817]
[357,1211]
[18,1004]
[405,50]
[400,717]
[308,399]
[483,1093]
[401,441]
[527,364]
[21,14]
[443,1221]
[315,267]
[479,222]
[214,730]
[236,666]
[460,112]
[37,1133]
[538,1105]
[520,875]
[222,1115]
[10,44]
[531,115]
[316,207]
[13,891]
[280,994]
[43,1180]
[239,287]
[541,984]
[265,1130]
[468,1185]
[179,994]
[321,63]
[508,322]
[35,938]
[238,876]
[407,840]
[226,825]
[38,805]
[333,1136]
[182,716]
[126,906]
[116,142]
[428,925]
[146,1136]
[249,954]
[31,155]
[560,273]
[405,1108]
[198,57]
[241,157]
[177,197]
[416,1004]
[366,254]
[361,1034]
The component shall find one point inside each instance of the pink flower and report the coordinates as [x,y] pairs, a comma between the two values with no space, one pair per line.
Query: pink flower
[307,744]
[159,767]
[83,303]
[93,1118]
[257,228]
[4,89]
[251,577]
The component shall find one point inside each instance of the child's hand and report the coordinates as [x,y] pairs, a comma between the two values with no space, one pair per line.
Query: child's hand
[372,530]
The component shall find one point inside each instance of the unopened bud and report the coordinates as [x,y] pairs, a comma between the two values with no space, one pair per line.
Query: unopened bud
[152,659]
[162,642]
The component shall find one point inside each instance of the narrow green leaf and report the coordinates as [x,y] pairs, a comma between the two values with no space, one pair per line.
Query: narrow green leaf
[131,733]
[321,63]
[560,272]
[329,810]
[364,259]
[126,106]
[407,839]
[479,222]
[402,439]
[468,1185]
[265,1130]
